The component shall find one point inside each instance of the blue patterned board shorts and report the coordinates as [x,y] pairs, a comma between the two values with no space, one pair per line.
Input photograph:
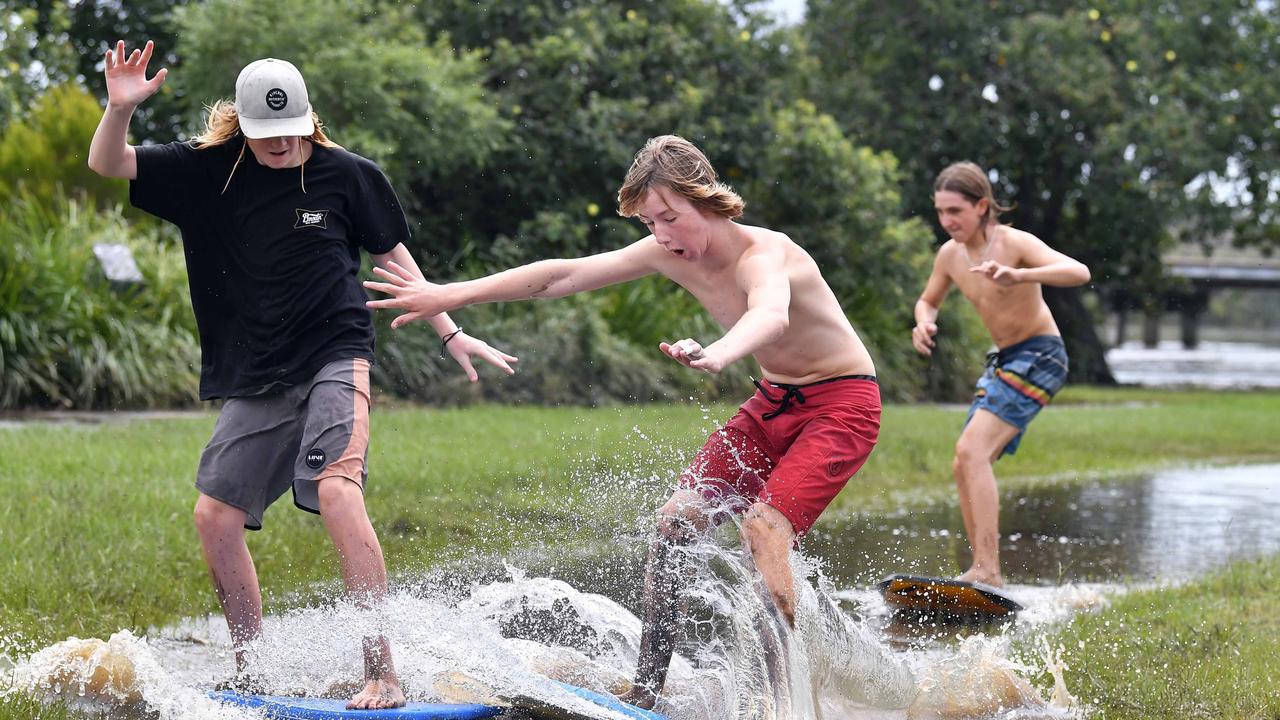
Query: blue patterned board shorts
[1020,380]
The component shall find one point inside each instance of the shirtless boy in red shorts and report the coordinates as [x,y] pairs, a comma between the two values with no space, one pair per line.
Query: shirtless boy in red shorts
[791,447]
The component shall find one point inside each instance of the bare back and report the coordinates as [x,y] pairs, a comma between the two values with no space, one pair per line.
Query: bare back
[1010,313]
[819,342]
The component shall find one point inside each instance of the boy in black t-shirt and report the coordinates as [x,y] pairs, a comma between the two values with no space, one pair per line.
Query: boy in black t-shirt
[273,217]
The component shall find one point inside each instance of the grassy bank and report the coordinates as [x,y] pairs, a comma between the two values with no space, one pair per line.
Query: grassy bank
[95,529]
[1203,650]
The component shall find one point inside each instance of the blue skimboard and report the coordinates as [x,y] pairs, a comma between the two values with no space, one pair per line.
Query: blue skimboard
[297,708]
[612,703]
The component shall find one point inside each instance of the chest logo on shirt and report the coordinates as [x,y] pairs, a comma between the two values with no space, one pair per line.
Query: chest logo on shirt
[311,219]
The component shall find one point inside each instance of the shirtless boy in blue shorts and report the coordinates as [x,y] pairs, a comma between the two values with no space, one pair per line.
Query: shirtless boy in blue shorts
[1000,270]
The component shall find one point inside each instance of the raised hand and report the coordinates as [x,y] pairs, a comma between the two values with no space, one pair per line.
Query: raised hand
[127,83]
[417,297]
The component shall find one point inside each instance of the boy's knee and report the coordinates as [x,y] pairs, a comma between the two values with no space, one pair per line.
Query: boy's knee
[676,528]
[968,453]
[682,518]
[765,526]
[213,517]
[335,493]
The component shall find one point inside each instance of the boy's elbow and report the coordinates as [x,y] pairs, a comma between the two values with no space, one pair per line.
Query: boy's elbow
[782,323]
[102,168]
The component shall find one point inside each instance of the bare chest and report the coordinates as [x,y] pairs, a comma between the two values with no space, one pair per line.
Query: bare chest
[978,288]
[720,295]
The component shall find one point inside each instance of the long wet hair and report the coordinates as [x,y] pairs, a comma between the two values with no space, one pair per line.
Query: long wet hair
[673,162]
[223,125]
[969,180]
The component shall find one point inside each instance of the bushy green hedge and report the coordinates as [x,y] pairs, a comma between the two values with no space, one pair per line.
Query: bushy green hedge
[68,338]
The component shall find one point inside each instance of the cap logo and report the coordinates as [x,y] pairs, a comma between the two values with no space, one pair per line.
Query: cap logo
[277,99]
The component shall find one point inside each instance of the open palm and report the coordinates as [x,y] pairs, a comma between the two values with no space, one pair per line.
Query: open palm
[127,83]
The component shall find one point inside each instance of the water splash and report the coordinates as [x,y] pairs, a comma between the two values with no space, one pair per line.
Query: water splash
[504,641]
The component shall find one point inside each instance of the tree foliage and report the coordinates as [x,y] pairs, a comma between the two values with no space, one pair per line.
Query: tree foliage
[60,42]
[1111,125]
[43,155]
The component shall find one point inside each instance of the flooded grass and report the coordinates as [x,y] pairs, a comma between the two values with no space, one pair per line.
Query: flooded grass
[96,536]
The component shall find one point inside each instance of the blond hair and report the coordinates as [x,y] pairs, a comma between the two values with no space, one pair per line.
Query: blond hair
[675,163]
[969,180]
[223,124]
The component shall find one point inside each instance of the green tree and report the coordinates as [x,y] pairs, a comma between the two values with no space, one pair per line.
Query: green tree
[584,85]
[43,155]
[32,56]
[81,32]
[1110,125]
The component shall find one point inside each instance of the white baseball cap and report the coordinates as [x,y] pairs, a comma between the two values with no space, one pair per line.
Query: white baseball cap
[271,100]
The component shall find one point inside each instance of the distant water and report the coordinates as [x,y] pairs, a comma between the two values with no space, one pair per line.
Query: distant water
[1211,365]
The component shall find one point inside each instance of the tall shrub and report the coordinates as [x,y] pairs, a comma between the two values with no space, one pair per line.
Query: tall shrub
[68,338]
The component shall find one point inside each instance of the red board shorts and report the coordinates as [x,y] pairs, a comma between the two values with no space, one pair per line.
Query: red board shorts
[792,447]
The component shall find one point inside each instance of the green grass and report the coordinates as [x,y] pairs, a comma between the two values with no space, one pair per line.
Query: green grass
[1203,650]
[96,535]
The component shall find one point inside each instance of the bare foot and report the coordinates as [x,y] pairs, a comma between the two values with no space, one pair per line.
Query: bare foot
[981,576]
[378,695]
[639,696]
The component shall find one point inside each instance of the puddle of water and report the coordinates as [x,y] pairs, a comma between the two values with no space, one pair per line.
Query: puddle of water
[1169,525]
[1212,364]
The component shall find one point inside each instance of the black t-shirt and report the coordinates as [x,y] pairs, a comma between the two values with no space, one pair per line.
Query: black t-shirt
[273,270]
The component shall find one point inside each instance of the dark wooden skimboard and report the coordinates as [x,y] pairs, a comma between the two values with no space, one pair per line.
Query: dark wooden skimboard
[944,597]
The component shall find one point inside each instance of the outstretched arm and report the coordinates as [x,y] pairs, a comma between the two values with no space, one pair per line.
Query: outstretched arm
[460,345]
[926,310]
[544,279]
[110,153]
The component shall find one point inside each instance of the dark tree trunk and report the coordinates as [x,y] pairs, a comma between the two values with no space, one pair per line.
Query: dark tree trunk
[1088,358]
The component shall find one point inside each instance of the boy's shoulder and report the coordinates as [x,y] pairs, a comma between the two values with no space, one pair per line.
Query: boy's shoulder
[1014,235]
[342,156]
[765,239]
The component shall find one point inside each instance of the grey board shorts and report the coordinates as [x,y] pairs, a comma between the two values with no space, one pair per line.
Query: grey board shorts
[263,445]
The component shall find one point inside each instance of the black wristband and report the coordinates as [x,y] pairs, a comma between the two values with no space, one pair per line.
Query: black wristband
[444,341]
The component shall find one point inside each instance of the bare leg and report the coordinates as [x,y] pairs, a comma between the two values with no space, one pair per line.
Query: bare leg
[221,529]
[678,522]
[767,534]
[977,449]
[365,574]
